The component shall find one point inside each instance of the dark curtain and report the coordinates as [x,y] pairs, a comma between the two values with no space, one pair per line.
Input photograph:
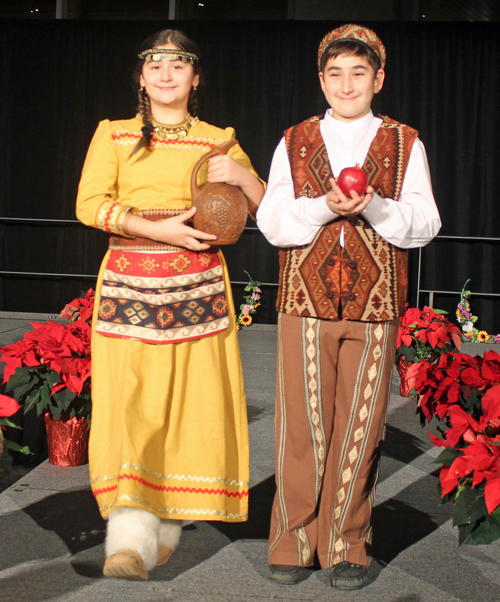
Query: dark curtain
[60,78]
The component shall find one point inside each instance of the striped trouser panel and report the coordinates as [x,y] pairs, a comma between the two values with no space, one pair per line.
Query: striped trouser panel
[333,384]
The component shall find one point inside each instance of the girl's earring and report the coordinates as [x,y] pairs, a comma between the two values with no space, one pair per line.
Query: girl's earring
[195,88]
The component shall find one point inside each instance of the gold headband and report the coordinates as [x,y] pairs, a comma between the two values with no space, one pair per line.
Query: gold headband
[168,54]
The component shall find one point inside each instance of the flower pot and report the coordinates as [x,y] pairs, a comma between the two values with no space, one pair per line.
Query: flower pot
[407,374]
[68,440]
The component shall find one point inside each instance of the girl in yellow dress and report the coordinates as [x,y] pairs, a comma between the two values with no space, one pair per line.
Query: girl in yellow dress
[169,437]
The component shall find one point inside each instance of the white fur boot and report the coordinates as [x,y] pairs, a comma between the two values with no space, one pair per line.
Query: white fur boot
[170,535]
[131,543]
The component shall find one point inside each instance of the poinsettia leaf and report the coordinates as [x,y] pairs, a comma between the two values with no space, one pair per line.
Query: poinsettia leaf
[56,412]
[45,400]
[53,377]
[5,461]
[21,377]
[448,456]
[63,398]
[469,506]
[31,400]
[448,497]
[463,532]
[486,532]
[473,403]
[7,422]
[24,449]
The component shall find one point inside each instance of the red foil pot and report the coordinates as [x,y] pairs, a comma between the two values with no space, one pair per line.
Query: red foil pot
[407,375]
[68,440]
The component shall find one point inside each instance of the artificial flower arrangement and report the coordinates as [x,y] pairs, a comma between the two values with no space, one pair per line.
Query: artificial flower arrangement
[49,368]
[467,321]
[425,333]
[8,407]
[251,303]
[463,392]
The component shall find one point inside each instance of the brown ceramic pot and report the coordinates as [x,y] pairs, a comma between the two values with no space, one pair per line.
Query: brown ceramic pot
[221,209]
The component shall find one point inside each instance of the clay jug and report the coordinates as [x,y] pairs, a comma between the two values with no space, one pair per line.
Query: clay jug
[221,209]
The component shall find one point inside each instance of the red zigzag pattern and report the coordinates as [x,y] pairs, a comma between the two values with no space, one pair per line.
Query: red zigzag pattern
[130,477]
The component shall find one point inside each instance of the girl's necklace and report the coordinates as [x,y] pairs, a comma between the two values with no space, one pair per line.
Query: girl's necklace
[175,131]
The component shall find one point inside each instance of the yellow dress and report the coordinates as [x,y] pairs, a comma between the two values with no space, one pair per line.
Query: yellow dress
[169,426]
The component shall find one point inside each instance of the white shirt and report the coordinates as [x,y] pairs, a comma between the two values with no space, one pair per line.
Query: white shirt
[412,222]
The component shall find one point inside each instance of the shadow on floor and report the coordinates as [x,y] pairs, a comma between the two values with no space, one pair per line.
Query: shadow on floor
[73,516]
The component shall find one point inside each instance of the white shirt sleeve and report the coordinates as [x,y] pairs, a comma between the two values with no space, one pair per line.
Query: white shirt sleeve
[414,220]
[284,220]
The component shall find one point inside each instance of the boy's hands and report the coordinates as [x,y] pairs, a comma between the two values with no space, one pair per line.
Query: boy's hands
[340,204]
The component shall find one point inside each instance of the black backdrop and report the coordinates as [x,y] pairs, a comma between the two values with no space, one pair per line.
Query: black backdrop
[60,78]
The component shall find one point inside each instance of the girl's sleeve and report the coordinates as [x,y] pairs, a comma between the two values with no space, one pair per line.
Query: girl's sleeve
[238,154]
[97,202]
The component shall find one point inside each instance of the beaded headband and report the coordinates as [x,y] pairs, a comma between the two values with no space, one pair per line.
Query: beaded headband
[168,54]
[357,33]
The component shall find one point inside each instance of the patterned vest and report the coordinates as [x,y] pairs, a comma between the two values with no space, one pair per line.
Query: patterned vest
[366,279]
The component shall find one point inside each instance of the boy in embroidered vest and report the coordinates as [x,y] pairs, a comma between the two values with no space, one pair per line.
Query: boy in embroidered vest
[343,281]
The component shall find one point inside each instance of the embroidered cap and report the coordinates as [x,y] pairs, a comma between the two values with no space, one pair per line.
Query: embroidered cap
[355,32]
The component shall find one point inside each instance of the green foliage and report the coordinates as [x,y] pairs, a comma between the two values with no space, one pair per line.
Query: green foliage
[475,525]
[31,387]
[6,446]
[448,456]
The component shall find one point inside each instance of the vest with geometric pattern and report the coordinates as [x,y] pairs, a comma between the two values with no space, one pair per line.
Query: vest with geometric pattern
[367,278]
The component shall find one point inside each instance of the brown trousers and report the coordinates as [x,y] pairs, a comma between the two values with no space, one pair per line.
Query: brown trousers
[333,385]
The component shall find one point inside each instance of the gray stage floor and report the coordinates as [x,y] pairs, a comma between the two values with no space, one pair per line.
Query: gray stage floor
[51,535]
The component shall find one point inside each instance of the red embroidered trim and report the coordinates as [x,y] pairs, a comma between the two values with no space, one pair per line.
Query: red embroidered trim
[131,135]
[183,142]
[118,136]
[110,217]
[239,494]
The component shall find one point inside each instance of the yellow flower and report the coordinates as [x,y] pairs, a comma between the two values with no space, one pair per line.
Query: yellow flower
[459,314]
[483,336]
[246,320]
[238,326]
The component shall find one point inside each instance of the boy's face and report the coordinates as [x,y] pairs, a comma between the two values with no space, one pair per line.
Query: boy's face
[349,83]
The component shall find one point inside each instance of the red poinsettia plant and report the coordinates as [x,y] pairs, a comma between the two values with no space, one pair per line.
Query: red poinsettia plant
[426,333]
[463,393]
[49,368]
[8,407]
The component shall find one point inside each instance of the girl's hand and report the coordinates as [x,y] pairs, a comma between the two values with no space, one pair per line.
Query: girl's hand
[340,204]
[224,168]
[171,231]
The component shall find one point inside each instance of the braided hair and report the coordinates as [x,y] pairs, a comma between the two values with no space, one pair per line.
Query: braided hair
[181,40]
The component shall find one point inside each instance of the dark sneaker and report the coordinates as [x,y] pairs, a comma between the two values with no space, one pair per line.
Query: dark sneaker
[347,575]
[287,574]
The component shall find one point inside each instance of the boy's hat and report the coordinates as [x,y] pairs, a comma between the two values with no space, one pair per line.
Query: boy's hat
[353,32]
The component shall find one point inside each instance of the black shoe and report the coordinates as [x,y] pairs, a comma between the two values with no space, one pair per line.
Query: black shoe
[347,575]
[287,574]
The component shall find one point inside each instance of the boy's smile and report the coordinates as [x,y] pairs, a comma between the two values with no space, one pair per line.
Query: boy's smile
[349,83]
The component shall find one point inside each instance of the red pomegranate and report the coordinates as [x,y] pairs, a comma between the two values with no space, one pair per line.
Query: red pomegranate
[352,178]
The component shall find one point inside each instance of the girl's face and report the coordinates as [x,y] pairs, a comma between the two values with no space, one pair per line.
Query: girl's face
[168,83]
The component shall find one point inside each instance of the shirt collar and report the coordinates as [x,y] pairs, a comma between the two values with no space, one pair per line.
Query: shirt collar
[348,126]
